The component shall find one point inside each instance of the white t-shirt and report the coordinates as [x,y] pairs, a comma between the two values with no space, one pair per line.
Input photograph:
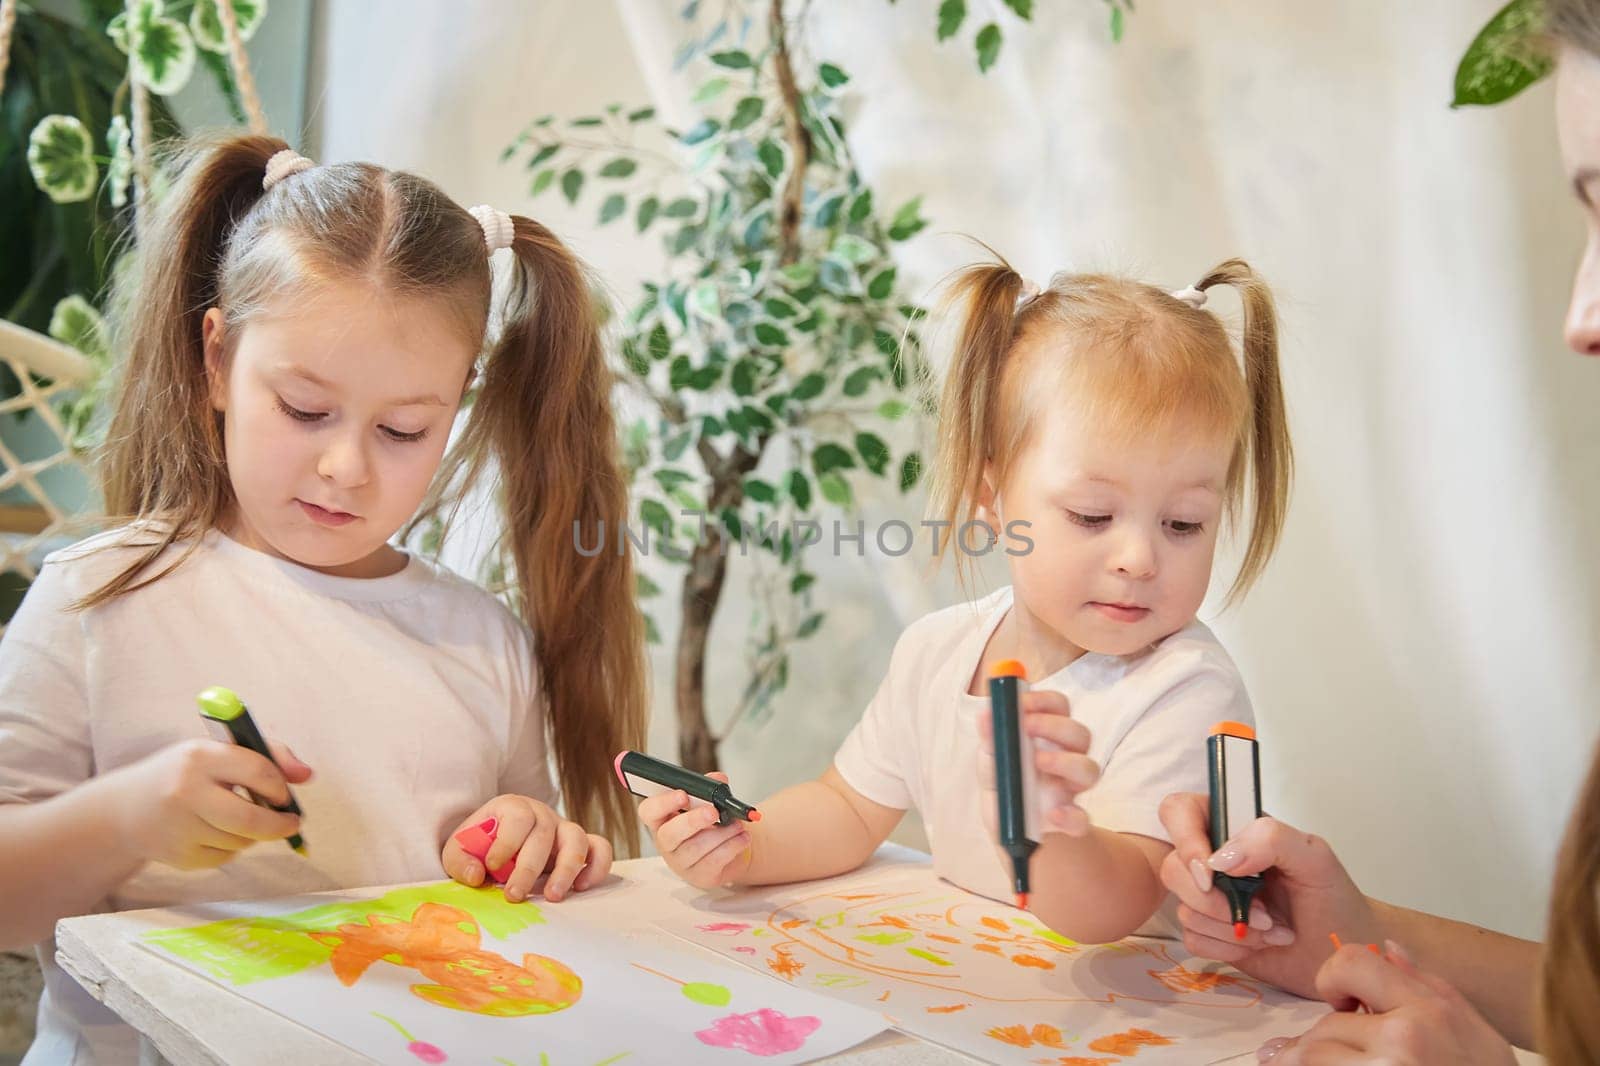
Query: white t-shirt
[410,696]
[1148,717]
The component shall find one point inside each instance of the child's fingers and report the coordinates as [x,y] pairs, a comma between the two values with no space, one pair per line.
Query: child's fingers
[1206,947]
[1072,820]
[656,811]
[712,867]
[1186,817]
[1044,701]
[571,852]
[678,831]
[1077,772]
[524,828]
[704,842]
[1262,932]
[1069,733]
[296,771]
[598,868]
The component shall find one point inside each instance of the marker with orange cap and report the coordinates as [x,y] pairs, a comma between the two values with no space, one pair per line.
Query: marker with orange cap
[646,776]
[1235,803]
[1014,771]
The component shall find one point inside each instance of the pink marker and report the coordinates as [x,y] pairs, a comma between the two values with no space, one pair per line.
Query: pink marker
[475,840]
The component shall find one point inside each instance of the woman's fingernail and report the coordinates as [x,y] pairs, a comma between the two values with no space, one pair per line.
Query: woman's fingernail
[1396,951]
[1279,936]
[1259,919]
[1268,1051]
[1226,859]
[1202,876]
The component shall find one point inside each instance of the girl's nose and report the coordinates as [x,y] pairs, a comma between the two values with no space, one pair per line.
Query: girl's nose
[1136,557]
[1583,314]
[344,462]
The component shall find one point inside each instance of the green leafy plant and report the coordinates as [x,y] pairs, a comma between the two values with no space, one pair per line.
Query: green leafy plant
[777,349]
[1504,58]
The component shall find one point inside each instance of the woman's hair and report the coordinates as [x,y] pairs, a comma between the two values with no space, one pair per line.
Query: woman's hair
[1136,359]
[1569,1025]
[542,419]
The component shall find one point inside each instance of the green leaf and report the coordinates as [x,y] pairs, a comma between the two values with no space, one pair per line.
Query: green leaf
[1023,8]
[952,13]
[832,76]
[163,53]
[860,380]
[75,323]
[835,489]
[853,249]
[1502,59]
[771,335]
[837,277]
[656,516]
[117,30]
[659,343]
[831,456]
[809,626]
[743,378]
[799,489]
[621,167]
[810,386]
[760,491]
[205,22]
[615,206]
[119,172]
[61,159]
[907,221]
[771,157]
[680,373]
[572,184]
[886,342]
[705,300]
[800,274]
[674,448]
[705,378]
[652,635]
[643,587]
[704,130]
[682,207]
[543,153]
[736,59]
[710,90]
[1116,24]
[644,114]
[778,308]
[541,181]
[988,44]
[892,410]
[672,480]
[910,470]
[648,209]
[861,207]
[748,111]
[637,361]
[874,452]
[588,122]
[882,284]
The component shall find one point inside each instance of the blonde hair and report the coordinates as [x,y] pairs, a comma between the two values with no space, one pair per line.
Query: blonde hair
[1137,357]
[542,415]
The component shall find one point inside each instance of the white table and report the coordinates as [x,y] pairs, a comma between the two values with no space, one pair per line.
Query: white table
[193,1022]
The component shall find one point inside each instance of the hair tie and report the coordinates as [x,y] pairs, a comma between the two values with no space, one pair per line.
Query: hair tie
[498,230]
[282,165]
[1191,296]
[1030,291]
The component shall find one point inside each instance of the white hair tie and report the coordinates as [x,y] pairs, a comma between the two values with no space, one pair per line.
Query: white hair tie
[282,164]
[1030,291]
[1191,296]
[498,230]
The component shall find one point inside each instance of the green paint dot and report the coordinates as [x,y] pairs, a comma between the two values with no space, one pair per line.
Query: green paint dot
[710,995]
[885,938]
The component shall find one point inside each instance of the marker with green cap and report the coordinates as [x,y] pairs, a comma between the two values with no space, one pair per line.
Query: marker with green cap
[228,720]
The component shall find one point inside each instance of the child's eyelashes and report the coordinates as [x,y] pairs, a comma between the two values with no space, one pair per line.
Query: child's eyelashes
[397,435]
[1091,521]
[1100,521]
[1186,529]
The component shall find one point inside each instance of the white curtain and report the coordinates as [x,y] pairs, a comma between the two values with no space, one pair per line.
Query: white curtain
[1423,651]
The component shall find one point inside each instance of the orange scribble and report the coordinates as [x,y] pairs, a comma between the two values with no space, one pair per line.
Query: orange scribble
[784,964]
[1128,1043]
[884,998]
[990,948]
[888,919]
[950,1009]
[1033,960]
[792,923]
[1182,979]
[1021,1036]
[869,895]
[1079,1060]
[442,943]
[994,923]
[944,939]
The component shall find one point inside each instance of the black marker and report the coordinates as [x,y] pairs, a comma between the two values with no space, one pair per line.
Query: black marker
[646,776]
[1013,772]
[225,716]
[1235,803]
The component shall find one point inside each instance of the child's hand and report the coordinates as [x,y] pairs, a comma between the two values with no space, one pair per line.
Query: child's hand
[545,845]
[178,805]
[695,848]
[1064,770]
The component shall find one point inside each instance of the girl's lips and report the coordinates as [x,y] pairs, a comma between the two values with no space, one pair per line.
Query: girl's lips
[325,517]
[1119,612]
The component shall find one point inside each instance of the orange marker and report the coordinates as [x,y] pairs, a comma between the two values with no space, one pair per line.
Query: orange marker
[644,775]
[1235,773]
[1013,772]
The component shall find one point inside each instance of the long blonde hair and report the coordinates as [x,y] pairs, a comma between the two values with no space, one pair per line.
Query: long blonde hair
[542,419]
[1137,357]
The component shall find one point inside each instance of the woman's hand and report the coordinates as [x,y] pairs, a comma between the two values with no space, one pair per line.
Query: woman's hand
[547,848]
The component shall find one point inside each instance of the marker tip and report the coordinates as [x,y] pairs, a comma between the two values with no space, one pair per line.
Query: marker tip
[1022,901]
[755,816]
[1240,929]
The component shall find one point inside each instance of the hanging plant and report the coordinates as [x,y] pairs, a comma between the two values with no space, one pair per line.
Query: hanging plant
[205,22]
[119,142]
[163,52]
[61,159]
[1504,58]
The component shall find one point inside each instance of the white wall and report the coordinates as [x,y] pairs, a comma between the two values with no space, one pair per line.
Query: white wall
[1422,652]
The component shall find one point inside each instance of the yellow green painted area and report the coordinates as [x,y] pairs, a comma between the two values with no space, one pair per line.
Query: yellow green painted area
[899,936]
[241,951]
[709,994]
[928,955]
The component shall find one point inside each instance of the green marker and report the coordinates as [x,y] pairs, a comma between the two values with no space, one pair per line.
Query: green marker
[227,719]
